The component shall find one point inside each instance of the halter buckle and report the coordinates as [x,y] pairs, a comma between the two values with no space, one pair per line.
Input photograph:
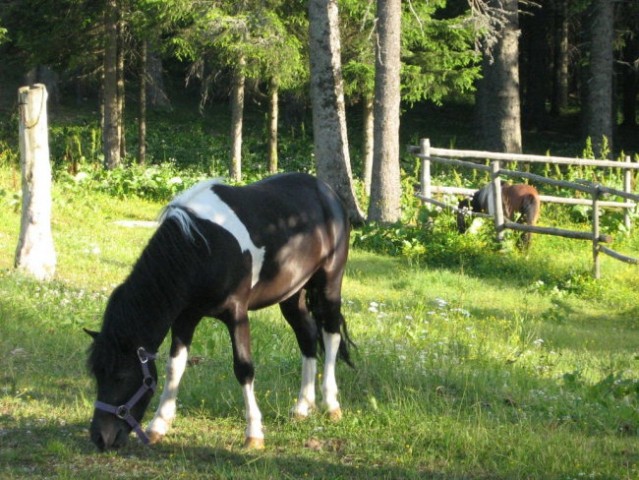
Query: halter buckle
[144,356]
[122,412]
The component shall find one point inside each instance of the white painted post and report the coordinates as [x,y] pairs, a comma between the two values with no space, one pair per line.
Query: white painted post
[596,272]
[35,254]
[627,187]
[497,202]
[424,149]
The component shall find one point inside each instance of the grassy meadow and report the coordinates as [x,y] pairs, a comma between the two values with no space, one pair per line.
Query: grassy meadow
[473,362]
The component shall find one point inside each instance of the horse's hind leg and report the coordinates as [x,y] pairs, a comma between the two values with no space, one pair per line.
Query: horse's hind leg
[182,335]
[326,307]
[297,315]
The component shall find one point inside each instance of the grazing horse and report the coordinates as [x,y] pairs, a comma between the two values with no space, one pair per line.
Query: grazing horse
[519,199]
[221,251]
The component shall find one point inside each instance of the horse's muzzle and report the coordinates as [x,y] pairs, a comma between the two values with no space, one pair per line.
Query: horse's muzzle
[110,434]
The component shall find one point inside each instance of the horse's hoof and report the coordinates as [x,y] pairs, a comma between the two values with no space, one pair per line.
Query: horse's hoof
[335,415]
[300,414]
[154,437]
[254,443]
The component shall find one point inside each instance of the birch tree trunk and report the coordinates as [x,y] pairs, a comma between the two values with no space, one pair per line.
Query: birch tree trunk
[35,253]
[367,140]
[327,96]
[120,90]
[273,114]
[157,97]
[385,198]
[110,131]
[237,117]
[143,74]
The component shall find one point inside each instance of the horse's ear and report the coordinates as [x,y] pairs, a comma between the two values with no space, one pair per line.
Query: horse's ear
[91,333]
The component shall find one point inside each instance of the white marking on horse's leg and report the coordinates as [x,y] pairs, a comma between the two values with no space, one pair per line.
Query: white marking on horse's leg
[329,385]
[165,413]
[306,400]
[253,417]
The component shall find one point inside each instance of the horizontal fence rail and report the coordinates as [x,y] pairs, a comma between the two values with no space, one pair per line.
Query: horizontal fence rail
[429,154]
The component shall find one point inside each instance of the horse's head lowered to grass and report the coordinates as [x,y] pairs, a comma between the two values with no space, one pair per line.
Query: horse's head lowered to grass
[520,202]
[125,385]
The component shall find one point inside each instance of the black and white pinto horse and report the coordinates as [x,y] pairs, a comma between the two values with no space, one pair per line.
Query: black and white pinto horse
[221,251]
[519,199]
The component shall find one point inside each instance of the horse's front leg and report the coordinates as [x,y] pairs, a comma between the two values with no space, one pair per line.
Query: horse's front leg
[166,411]
[245,374]
[297,315]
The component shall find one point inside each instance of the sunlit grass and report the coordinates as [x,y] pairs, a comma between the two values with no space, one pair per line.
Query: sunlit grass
[496,365]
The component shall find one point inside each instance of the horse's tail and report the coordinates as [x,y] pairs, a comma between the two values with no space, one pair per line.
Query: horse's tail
[530,208]
[345,345]
[318,313]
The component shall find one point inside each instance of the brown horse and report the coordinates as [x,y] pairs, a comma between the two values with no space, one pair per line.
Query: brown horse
[519,199]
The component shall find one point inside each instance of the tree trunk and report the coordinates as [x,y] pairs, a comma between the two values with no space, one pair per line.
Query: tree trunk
[121,97]
[385,198]
[367,140]
[329,113]
[500,115]
[237,117]
[273,114]
[111,139]
[142,103]
[560,58]
[35,253]
[535,69]
[157,97]
[599,107]
[630,81]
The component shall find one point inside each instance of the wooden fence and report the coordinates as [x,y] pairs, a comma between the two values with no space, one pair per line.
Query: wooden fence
[429,154]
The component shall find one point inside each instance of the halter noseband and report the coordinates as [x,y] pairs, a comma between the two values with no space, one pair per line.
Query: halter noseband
[124,411]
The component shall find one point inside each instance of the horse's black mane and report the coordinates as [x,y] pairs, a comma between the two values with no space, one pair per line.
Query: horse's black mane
[154,288]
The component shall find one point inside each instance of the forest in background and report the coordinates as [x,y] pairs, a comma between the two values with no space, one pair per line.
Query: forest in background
[498,75]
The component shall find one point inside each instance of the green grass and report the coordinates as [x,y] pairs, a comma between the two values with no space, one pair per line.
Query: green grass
[472,363]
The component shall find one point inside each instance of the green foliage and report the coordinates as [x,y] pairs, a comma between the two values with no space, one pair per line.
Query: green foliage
[249,38]
[157,182]
[438,55]
[439,58]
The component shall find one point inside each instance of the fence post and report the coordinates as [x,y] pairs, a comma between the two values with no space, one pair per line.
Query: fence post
[595,232]
[497,203]
[35,253]
[424,150]
[627,187]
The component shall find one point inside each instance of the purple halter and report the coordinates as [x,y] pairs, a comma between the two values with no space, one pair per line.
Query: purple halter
[124,411]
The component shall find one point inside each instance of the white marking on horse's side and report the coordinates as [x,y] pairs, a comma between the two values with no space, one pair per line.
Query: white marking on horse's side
[202,201]
[306,400]
[253,414]
[329,385]
[165,413]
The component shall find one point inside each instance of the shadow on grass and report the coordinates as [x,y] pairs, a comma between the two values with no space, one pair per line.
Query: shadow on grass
[56,452]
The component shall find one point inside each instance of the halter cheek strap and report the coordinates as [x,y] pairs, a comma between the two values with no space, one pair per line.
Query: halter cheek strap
[124,411]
